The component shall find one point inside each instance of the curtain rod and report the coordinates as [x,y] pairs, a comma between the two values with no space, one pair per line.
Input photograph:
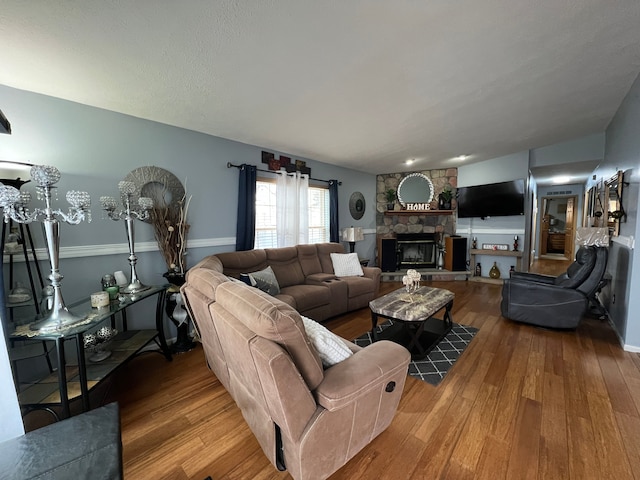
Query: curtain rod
[229,165]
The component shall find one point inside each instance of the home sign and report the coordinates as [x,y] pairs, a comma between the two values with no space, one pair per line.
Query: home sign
[418,206]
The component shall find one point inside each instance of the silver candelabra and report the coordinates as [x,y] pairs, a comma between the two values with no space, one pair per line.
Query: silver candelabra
[15,205]
[129,214]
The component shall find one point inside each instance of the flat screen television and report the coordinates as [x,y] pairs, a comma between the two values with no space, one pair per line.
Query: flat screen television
[491,200]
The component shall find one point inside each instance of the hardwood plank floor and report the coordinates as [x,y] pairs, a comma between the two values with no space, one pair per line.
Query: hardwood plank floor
[521,402]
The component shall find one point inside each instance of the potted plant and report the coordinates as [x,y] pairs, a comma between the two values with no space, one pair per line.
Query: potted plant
[444,199]
[390,195]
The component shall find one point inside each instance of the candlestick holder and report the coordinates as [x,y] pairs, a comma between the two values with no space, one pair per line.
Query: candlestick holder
[15,205]
[515,243]
[129,213]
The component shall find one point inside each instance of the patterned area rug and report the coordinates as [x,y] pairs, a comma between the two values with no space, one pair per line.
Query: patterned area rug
[433,368]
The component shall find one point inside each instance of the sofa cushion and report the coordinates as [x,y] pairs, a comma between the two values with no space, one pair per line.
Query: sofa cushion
[308,297]
[247,261]
[357,286]
[274,320]
[329,346]
[206,281]
[308,258]
[286,266]
[346,265]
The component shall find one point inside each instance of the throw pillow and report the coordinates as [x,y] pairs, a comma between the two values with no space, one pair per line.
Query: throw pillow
[265,280]
[330,347]
[346,265]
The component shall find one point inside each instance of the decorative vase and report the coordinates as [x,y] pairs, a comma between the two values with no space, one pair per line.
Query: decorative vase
[495,271]
[177,313]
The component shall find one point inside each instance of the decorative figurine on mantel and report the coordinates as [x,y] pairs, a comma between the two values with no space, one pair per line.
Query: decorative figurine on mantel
[515,243]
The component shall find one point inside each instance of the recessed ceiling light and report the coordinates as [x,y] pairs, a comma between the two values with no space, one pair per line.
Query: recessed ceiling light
[410,161]
[561,179]
[461,158]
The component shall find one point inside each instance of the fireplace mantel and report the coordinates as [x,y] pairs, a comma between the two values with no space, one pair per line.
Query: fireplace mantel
[418,213]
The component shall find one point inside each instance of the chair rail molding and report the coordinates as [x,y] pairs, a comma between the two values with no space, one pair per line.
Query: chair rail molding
[79,251]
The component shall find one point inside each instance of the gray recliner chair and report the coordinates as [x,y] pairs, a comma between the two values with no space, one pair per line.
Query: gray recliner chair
[556,302]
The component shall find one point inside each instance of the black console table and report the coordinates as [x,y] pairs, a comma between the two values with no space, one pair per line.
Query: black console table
[73,381]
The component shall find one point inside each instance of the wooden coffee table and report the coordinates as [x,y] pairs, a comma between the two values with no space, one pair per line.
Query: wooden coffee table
[415,326]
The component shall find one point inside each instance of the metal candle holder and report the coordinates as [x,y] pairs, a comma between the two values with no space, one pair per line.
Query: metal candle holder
[15,205]
[129,214]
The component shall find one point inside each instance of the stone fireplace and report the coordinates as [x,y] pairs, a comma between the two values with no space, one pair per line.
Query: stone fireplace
[408,239]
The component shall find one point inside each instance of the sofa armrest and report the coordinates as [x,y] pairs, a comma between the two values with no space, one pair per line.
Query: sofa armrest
[367,370]
[374,274]
[371,272]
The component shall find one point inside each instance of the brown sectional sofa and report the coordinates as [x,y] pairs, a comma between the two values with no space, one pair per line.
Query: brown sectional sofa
[308,419]
[306,277]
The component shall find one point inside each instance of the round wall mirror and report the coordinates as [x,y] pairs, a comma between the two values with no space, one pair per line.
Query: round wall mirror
[415,188]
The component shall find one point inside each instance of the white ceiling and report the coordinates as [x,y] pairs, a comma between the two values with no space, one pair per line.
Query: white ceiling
[357,83]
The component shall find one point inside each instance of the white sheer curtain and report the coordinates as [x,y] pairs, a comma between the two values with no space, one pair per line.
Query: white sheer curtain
[292,217]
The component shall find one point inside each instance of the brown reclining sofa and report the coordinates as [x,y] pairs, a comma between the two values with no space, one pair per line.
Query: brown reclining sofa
[305,276]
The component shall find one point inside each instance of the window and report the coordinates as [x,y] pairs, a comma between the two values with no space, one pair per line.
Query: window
[266,214]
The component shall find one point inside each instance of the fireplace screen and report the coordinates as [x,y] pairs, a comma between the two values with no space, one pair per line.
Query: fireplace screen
[416,251]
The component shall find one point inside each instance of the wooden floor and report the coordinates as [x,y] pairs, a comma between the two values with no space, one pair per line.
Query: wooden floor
[521,402]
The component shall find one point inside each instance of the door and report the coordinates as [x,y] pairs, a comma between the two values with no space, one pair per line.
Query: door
[570,228]
[544,226]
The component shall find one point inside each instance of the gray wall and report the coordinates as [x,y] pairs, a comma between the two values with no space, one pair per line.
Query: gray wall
[581,149]
[622,152]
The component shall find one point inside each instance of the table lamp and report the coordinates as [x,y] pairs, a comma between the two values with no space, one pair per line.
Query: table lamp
[352,235]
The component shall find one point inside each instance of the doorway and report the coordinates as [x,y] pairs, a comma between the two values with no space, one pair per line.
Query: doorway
[557,227]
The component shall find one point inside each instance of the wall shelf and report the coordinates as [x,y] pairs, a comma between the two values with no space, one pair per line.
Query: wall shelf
[494,253]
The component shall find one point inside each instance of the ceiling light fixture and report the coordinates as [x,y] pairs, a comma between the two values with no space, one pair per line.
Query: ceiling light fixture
[410,161]
[561,179]
[461,158]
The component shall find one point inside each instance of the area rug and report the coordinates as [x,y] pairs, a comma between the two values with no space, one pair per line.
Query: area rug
[433,368]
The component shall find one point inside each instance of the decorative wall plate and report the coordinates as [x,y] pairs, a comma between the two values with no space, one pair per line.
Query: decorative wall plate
[357,205]
[157,183]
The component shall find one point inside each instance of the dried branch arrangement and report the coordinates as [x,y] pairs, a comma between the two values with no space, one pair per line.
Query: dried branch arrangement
[170,228]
